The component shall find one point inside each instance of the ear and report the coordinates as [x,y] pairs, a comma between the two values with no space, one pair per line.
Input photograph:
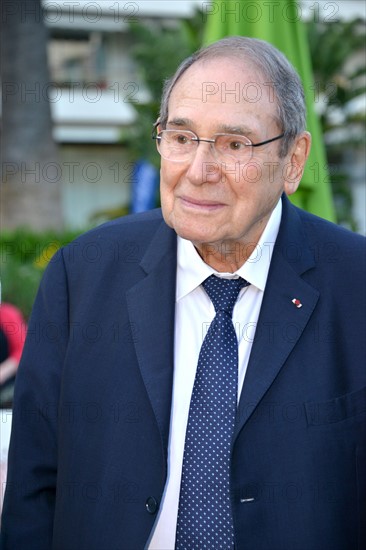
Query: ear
[298,155]
[157,126]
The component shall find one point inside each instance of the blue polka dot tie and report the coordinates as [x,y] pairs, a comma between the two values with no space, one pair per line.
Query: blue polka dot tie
[204,514]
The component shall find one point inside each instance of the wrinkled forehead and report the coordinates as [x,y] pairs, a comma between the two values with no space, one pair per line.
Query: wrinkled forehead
[224,80]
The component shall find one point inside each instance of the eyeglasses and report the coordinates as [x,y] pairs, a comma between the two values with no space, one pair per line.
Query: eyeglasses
[181,145]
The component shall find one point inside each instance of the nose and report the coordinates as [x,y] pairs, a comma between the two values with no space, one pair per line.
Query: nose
[203,167]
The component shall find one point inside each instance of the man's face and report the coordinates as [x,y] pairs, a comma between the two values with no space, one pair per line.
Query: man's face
[207,202]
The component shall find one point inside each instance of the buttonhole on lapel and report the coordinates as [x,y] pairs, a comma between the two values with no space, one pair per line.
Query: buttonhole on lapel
[249,499]
[296,302]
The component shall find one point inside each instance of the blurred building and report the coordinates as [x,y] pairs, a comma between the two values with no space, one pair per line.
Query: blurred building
[94,86]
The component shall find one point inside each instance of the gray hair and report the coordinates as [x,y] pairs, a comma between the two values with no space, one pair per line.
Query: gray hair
[273,66]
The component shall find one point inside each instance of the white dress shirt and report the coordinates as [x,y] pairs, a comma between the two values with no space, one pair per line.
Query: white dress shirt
[193,315]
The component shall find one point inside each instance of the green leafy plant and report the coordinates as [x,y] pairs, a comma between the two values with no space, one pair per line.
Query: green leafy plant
[337,51]
[24,256]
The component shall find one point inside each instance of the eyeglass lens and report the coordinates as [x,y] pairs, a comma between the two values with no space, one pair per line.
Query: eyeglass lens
[180,145]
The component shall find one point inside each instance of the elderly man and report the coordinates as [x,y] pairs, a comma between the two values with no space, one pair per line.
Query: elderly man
[194,378]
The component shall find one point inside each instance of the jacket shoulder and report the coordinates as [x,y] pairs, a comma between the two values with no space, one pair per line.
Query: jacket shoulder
[132,224]
[321,231]
[121,242]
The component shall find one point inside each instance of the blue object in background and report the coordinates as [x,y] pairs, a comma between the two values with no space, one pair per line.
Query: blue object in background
[144,186]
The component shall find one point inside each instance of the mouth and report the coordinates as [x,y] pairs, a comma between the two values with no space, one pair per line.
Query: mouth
[203,205]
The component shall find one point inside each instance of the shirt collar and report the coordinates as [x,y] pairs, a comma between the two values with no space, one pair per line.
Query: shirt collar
[192,270]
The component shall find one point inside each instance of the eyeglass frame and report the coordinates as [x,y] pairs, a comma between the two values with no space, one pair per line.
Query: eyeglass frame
[155,136]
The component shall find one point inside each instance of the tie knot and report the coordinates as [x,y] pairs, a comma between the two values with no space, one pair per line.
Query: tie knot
[223,293]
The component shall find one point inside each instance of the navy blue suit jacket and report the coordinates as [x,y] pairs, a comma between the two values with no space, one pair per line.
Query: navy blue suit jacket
[88,454]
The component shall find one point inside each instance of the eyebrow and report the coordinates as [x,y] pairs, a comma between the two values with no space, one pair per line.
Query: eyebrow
[243,130]
[223,128]
[180,122]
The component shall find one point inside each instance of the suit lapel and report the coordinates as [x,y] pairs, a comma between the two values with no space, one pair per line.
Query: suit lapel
[280,323]
[151,305]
